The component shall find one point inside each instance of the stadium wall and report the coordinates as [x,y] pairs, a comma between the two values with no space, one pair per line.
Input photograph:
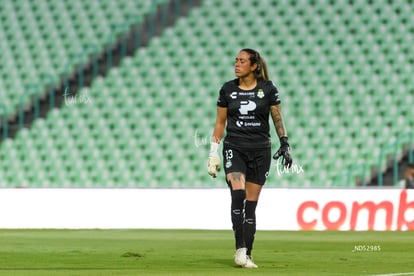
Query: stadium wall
[278,209]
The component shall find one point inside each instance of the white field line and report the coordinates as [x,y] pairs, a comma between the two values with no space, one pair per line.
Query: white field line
[394,274]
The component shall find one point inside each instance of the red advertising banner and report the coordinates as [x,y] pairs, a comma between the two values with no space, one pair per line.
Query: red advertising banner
[394,213]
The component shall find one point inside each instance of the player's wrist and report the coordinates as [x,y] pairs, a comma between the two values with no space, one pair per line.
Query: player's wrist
[284,141]
[214,149]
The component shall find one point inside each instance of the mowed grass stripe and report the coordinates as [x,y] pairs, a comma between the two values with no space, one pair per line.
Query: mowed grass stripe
[190,252]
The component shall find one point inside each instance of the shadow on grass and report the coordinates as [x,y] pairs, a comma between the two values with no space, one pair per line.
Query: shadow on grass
[225,262]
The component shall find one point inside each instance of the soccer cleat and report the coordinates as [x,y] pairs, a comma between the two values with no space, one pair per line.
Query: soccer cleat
[240,258]
[250,263]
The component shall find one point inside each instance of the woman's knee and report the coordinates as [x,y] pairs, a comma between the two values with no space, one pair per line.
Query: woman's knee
[253,191]
[236,180]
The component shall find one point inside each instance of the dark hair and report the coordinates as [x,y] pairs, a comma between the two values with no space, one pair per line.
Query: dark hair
[255,58]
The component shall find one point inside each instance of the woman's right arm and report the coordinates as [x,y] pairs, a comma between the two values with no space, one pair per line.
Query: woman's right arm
[213,166]
[220,125]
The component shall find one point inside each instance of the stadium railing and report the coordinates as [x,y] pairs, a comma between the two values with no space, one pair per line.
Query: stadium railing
[393,147]
[357,174]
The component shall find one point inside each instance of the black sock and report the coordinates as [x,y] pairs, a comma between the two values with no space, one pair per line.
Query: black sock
[237,216]
[249,224]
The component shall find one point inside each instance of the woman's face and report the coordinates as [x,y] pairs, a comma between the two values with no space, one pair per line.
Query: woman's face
[242,66]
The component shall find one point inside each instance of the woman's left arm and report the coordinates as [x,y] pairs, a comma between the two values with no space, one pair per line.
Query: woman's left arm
[276,112]
[284,150]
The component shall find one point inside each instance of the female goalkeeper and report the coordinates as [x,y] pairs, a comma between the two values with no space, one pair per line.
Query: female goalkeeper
[243,107]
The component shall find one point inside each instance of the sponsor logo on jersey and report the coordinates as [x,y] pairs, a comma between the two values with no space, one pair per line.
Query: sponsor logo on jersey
[246,106]
[235,94]
[249,94]
[252,124]
[248,124]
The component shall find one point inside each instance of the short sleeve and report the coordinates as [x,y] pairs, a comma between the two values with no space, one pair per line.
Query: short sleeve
[274,96]
[222,101]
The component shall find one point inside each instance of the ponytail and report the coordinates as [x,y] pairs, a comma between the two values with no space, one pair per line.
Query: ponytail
[255,58]
[261,71]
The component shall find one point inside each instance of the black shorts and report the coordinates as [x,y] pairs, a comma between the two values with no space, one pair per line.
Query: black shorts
[253,163]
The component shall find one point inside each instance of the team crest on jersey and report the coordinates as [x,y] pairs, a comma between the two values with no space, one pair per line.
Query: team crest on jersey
[260,93]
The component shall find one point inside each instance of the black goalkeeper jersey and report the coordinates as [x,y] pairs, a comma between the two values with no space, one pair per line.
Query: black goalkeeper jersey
[248,113]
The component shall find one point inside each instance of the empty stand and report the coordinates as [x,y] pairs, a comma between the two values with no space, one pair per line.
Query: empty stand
[51,37]
[344,72]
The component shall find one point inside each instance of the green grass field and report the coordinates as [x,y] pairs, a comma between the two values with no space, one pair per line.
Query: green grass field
[190,252]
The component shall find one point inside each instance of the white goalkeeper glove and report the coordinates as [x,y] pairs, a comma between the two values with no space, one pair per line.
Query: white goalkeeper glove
[214,162]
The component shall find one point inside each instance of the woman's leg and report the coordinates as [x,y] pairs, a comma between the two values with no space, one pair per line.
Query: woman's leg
[236,181]
[252,197]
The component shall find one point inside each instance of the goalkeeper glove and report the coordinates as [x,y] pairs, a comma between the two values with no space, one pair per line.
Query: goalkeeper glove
[284,152]
[213,166]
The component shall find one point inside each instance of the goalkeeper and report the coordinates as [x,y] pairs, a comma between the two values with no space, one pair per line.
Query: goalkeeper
[243,108]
